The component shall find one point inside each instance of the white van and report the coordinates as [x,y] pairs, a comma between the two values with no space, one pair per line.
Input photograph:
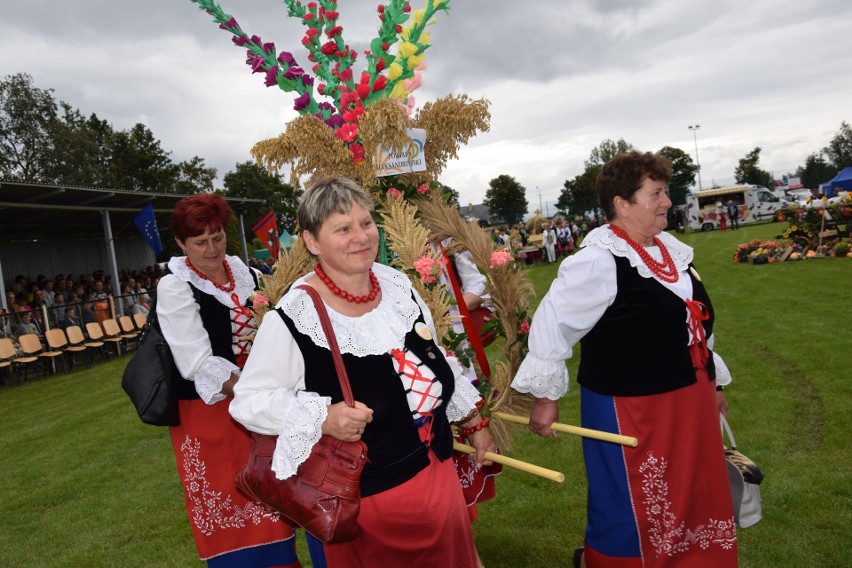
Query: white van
[754,202]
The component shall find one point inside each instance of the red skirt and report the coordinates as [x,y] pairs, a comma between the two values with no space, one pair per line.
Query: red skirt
[422,523]
[667,502]
[211,448]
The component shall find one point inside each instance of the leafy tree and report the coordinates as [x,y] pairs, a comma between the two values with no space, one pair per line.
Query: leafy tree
[81,150]
[683,173]
[815,171]
[606,151]
[140,164]
[839,150]
[454,195]
[255,182]
[506,200]
[194,177]
[27,118]
[748,171]
[579,195]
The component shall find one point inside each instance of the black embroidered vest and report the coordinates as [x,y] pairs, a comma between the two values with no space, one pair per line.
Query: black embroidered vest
[216,319]
[641,344]
[394,448]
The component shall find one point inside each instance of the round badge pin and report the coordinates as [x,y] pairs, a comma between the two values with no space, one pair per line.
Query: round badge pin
[423,330]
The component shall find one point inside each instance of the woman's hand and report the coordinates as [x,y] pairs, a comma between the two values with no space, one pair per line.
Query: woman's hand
[544,413]
[722,403]
[228,386]
[483,442]
[346,423]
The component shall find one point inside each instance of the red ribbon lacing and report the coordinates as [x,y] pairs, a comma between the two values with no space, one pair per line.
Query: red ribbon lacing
[409,369]
[467,321]
[247,323]
[698,350]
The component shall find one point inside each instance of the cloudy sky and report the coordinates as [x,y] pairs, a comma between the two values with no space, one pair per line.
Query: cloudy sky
[561,76]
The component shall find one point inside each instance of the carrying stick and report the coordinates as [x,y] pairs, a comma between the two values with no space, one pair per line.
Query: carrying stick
[511,462]
[576,430]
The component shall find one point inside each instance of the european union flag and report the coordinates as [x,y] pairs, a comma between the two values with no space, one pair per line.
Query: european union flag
[147,224]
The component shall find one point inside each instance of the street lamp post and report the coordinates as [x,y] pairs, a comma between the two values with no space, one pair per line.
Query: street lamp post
[694,129]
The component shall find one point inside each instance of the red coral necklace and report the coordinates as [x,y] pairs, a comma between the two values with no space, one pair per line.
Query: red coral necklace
[229,287]
[665,271]
[374,290]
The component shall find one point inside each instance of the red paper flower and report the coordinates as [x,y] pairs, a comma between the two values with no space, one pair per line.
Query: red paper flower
[357,152]
[329,48]
[347,132]
[380,83]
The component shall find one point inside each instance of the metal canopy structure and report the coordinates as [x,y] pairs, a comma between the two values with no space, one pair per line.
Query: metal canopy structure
[31,212]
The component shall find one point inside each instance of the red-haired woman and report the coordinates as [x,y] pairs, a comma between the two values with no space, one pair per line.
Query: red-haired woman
[205,313]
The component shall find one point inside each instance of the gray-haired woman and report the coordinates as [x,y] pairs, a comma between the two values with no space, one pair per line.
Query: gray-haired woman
[407,390]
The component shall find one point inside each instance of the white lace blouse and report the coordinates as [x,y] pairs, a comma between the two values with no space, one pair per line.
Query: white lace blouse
[270,397]
[183,329]
[584,288]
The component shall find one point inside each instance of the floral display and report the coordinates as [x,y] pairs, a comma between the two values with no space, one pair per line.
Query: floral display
[347,122]
[348,118]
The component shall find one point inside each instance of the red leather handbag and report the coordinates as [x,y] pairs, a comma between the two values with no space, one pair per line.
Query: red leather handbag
[324,496]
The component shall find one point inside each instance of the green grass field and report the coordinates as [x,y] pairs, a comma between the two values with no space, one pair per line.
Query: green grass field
[88,485]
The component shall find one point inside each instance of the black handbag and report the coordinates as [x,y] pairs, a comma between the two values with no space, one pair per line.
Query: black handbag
[150,377]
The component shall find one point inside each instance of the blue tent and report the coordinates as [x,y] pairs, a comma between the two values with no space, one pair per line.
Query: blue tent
[840,182]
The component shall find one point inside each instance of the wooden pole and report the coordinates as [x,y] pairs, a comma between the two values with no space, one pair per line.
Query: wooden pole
[576,430]
[511,462]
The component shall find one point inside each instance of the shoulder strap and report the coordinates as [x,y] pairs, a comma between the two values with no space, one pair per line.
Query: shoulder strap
[332,344]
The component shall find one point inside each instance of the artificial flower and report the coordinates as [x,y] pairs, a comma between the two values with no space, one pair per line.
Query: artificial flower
[302,101]
[428,268]
[258,299]
[499,258]
[394,71]
[357,152]
[393,193]
[272,76]
[347,132]
[524,328]
[423,188]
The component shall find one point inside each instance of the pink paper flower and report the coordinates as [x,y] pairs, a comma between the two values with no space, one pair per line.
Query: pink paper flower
[260,300]
[524,328]
[423,189]
[500,257]
[428,268]
[393,193]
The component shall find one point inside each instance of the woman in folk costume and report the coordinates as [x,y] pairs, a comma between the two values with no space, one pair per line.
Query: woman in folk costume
[204,310]
[406,389]
[632,299]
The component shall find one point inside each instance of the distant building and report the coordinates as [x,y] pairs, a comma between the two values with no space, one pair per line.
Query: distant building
[479,212]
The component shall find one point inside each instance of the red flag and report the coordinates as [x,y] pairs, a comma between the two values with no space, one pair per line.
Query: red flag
[267,231]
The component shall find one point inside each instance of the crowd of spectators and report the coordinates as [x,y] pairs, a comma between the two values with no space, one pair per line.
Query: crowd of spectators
[74,300]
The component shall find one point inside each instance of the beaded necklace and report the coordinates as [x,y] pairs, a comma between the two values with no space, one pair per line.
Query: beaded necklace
[665,271]
[374,290]
[229,287]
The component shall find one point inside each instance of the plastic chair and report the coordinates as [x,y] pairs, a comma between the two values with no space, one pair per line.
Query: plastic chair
[77,339]
[129,333]
[57,344]
[140,320]
[32,347]
[7,359]
[57,341]
[112,334]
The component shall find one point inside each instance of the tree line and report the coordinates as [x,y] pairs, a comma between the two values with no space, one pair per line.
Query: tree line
[506,198]
[46,141]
